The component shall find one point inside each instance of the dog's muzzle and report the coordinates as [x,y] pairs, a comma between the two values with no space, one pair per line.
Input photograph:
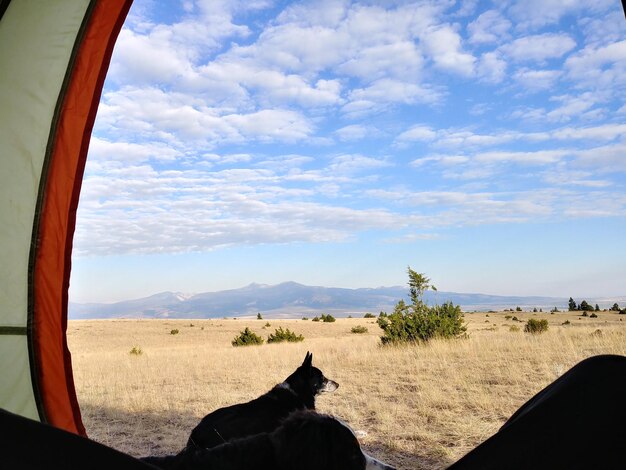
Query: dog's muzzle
[329,386]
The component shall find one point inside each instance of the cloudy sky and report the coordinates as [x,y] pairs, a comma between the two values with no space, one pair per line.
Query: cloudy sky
[334,143]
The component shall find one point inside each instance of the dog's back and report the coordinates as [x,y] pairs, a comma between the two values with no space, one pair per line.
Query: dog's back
[262,414]
[265,413]
[303,441]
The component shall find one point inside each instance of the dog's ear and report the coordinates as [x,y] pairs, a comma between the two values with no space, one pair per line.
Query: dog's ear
[308,360]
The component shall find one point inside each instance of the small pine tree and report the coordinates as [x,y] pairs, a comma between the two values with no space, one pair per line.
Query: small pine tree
[259,316]
[281,335]
[246,338]
[572,305]
[369,315]
[328,318]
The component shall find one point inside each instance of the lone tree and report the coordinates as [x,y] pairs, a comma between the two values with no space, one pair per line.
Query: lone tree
[572,305]
[418,322]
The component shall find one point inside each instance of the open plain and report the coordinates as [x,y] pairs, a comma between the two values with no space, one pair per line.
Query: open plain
[142,389]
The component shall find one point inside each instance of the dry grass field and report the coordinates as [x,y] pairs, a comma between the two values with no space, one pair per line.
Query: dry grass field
[422,407]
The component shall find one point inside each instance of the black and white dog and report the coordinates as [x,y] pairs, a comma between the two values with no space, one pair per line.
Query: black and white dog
[306,440]
[263,414]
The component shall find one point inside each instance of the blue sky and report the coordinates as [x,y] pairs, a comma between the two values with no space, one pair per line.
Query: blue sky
[334,143]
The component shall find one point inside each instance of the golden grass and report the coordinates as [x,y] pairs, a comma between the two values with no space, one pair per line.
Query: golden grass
[422,407]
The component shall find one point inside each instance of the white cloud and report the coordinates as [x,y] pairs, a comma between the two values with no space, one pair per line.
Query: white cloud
[182,119]
[539,48]
[130,153]
[445,160]
[398,59]
[348,164]
[572,106]
[444,46]
[353,132]
[598,67]
[538,13]
[535,80]
[384,93]
[418,133]
[491,67]
[489,28]
[604,30]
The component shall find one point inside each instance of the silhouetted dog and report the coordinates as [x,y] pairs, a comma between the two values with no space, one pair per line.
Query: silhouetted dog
[304,441]
[265,413]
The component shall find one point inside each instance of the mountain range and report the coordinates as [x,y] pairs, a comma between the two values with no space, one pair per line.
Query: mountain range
[290,299]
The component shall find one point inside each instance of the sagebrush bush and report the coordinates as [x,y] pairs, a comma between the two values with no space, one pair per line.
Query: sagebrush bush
[369,315]
[513,328]
[593,315]
[566,322]
[136,351]
[536,326]
[246,338]
[359,329]
[327,318]
[316,319]
[173,332]
[281,335]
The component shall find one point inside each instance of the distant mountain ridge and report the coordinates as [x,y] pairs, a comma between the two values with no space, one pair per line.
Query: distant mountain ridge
[291,299]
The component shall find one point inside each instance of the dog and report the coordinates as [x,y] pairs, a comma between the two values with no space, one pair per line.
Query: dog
[305,440]
[263,414]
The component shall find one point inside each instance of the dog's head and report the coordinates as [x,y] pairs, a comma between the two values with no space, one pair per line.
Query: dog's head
[309,441]
[309,381]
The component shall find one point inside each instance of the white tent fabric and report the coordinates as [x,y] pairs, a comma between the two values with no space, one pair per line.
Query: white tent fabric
[53,58]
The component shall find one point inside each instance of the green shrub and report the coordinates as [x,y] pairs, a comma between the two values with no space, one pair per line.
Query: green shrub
[584,314]
[507,317]
[173,332]
[369,315]
[246,338]
[566,322]
[536,326]
[419,322]
[259,316]
[267,325]
[518,309]
[359,329]
[327,318]
[513,328]
[281,335]
[409,323]
[516,319]
[315,319]
[305,318]
[136,351]
[593,315]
